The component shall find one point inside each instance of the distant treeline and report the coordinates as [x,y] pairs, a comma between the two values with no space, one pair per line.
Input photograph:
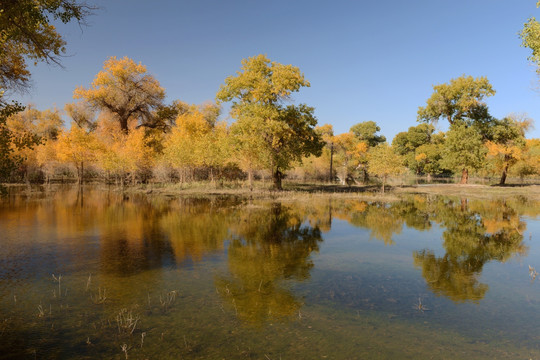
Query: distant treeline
[121,131]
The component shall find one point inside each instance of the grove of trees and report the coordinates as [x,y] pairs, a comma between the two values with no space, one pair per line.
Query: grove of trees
[120,129]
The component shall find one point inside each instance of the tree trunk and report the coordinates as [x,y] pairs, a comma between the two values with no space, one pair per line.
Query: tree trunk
[124,125]
[250,179]
[276,177]
[464,176]
[366,175]
[81,174]
[383,183]
[503,176]
[428,178]
[463,204]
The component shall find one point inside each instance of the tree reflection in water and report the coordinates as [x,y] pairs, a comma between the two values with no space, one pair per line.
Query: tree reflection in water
[266,248]
[475,233]
[269,245]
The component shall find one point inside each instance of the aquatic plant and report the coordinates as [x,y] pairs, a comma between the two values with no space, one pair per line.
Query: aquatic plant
[100,297]
[126,322]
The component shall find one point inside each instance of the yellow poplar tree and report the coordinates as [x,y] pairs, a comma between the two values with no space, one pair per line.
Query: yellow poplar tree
[77,147]
[185,148]
[126,90]
[47,158]
[507,140]
[350,152]
[127,154]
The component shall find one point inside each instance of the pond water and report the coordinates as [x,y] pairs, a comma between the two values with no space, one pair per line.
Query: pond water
[96,274]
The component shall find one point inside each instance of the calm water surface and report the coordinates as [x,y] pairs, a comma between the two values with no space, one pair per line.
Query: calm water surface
[95,274]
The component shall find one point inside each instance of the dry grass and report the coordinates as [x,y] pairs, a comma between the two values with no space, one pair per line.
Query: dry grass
[298,191]
[531,192]
[370,192]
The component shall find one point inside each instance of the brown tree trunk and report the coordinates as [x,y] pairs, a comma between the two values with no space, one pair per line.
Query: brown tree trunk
[250,179]
[366,175]
[464,176]
[383,183]
[81,176]
[124,125]
[503,176]
[463,204]
[276,177]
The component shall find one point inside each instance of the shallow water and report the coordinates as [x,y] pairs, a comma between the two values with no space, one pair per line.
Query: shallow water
[96,274]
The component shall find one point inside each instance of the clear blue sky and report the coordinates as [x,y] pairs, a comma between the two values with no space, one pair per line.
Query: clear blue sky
[366,60]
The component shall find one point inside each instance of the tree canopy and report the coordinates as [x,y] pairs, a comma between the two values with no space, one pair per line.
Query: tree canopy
[284,134]
[460,99]
[530,38]
[383,161]
[125,89]
[366,132]
[27,33]
[463,149]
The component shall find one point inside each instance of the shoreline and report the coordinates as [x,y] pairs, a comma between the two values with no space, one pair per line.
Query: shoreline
[299,191]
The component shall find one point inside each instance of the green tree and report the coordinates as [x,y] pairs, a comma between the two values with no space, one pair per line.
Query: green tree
[461,99]
[463,149]
[507,142]
[461,103]
[283,134]
[366,132]
[530,38]
[406,144]
[427,158]
[384,162]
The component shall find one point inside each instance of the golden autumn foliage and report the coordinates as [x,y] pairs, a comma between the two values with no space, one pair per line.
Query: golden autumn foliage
[125,89]
[503,151]
[76,146]
[184,147]
[125,131]
[126,154]
[47,158]
[196,142]
[350,154]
